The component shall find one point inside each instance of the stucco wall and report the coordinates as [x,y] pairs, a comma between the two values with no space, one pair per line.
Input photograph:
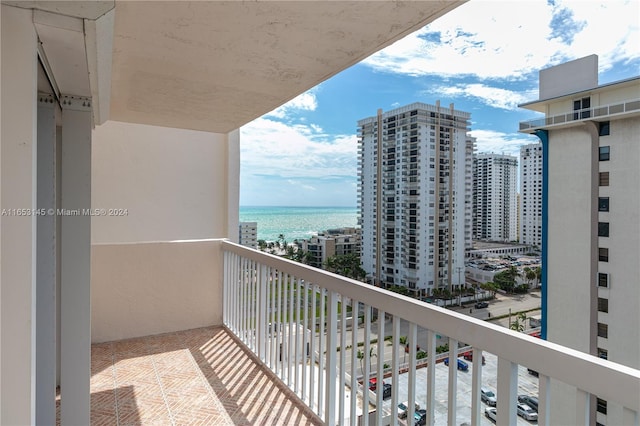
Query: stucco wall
[143,289]
[172,183]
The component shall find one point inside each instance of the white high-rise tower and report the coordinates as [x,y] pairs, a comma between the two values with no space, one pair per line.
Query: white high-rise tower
[414,196]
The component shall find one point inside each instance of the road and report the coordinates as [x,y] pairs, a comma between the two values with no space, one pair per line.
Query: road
[497,307]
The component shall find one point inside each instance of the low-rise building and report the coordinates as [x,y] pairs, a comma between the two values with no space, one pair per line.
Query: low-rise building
[248,234]
[332,242]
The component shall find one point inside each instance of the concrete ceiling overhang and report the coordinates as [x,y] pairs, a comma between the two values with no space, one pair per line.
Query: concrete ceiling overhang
[215,66]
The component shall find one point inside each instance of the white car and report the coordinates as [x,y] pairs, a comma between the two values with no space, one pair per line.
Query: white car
[403,409]
[527,412]
[491,413]
[488,397]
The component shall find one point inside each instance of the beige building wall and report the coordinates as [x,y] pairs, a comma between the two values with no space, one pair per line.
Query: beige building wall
[165,184]
[143,289]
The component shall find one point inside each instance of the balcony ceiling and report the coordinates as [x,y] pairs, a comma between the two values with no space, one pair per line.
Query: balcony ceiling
[215,65]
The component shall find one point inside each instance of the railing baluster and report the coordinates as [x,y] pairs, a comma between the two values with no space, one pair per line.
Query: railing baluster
[453,382]
[332,342]
[507,391]
[283,329]
[271,298]
[292,361]
[380,369]
[343,358]
[544,399]
[263,304]
[583,407]
[431,377]
[298,355]
[243,301]
[412,340]
[321,351]
[312,378]
[305,339]
[255,300]
[355,309]
[279,324]
[476,383]
[367,364]
[395,366]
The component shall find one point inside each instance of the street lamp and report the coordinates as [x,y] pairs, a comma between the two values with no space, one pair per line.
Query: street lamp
[459,269]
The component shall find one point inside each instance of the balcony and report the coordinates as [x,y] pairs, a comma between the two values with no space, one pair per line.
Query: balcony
[598,113]
[284,329]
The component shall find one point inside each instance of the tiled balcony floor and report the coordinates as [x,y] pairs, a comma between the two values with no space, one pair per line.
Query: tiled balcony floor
[199,376]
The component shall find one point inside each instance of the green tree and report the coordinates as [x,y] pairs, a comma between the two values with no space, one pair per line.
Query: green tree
[491,287]
[262,245]
[403,343]
[347,265]
[519,322]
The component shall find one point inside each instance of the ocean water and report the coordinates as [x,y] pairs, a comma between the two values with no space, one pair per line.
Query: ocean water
[297,222]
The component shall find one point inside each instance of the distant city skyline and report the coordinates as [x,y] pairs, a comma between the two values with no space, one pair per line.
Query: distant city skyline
[483,56]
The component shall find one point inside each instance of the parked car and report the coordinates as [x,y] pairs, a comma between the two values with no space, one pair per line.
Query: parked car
[491,413]
[373,383]
[469,357]
[531,401]
[527,412]
[488,397]
[462,366]
[386,391]
[420,418]
[403,409]
[481,305]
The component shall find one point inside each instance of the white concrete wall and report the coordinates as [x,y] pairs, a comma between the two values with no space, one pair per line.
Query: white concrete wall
[174,184]
[18,232]
[141,289]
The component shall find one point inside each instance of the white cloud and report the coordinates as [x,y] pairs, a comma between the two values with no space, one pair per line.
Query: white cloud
[511,39]
[490,141]
[492,96]
[269,147]
[303,102]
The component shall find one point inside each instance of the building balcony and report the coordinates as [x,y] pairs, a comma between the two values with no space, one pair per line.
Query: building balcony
[229,335]
[599,113]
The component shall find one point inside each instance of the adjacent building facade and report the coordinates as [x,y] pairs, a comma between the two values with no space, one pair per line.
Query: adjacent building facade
[591,222]
[531,194]
[248,234]
[414,194]
[495,196]
[332,242]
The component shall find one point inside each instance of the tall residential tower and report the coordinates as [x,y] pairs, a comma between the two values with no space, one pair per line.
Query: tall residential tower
[531,194]
[414,196]
[495,215]
[591,222]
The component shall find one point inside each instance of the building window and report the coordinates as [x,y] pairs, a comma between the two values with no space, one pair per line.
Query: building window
[602,406]
[604,128]
[603,280]
[581,104]
[603,204]
[603,153]
[604,179]
[603,305]
[603,330]
[603,254]
[603,353]
[603,229]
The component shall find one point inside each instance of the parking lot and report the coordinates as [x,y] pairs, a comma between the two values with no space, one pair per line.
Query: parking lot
[527,384]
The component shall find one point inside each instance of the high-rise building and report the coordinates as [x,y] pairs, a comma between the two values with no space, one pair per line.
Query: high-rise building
[591,223]
[248,234]
[495,215]
[414,196]
[531,194]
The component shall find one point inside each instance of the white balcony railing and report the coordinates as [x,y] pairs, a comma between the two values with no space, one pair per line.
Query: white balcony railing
[595,113]
[303,322]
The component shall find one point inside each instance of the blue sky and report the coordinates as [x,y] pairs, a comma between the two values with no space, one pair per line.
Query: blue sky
[483,56]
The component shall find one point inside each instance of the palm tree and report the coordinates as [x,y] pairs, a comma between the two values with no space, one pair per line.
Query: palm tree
[403,343]
[360,356]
